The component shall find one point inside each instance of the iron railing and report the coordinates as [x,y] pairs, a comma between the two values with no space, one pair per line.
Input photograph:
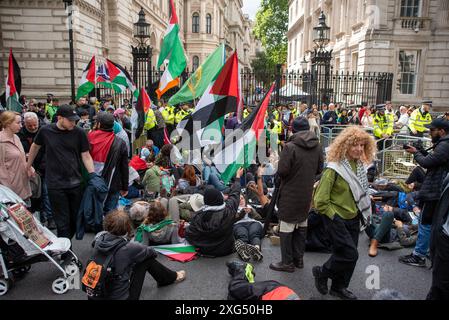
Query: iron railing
[312,88]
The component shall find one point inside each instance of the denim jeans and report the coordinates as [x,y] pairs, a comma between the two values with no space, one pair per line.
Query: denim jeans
[423,241]
[111,202]
[212,177]
[381,231]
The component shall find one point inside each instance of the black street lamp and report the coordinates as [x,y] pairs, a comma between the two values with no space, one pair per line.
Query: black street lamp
[68,4]
[321,63]
[321,32]
[142,53]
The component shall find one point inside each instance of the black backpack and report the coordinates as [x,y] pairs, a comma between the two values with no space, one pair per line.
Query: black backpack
[98,273]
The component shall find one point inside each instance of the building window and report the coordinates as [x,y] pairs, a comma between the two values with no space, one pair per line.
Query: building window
[196,23]
[408,71]
[195,63]
[410,8]
[208,24]
[355,61]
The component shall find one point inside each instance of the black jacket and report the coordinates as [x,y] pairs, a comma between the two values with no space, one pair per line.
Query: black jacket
[27,138]
[116,165]
[124,261]
[440,217]
[437,165]
[212,231]
[330,117]
[300,162]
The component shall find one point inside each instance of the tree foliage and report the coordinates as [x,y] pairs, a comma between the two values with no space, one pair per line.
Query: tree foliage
[271,29]
[263,68]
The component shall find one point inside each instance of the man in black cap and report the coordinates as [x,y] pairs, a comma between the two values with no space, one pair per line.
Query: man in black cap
[66,149]
[383,127]
[419,119]
[300,161]
[437,167]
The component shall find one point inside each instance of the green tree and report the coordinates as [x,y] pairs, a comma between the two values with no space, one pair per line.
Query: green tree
[271,29]
[263,68]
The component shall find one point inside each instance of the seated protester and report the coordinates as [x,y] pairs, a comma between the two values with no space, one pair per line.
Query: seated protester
[152,179]
[212,177]
[248,233]
[157,228]
[84,122]
[150,150]
[131,260]
[189,178]
[380,230]
[134,185]
[243,287]
[163,158]
[211,228]
[138,212]
[183,207]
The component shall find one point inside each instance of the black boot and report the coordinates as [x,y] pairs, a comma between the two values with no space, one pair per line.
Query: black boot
[320,280]
[299,246]
[286,265]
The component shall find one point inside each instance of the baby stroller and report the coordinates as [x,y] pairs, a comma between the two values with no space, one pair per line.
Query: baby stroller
[20,249]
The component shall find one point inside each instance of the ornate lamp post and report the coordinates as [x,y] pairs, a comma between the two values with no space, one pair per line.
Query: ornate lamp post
[68,4]
[142,53]
[321,61]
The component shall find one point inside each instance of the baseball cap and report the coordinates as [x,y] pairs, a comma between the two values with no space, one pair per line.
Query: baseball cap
[439,123]
[67,112]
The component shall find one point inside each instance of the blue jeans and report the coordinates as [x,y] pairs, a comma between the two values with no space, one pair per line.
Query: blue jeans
[422,243]
[381,232]
[46,206]
[111,202]
[212,177]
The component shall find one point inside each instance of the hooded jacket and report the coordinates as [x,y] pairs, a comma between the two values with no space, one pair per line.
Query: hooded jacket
[123,263]
[437,165]
[211,231]
[300,162]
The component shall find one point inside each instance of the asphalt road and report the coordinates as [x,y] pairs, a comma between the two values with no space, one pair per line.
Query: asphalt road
[207,278]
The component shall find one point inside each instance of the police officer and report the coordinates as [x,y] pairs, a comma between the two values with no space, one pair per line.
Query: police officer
[150,123]
[169,116]
[383,127]
[181,114]
[419,119]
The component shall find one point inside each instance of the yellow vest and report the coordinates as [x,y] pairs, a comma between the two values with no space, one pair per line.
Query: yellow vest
[418,121]
[181,114]
[383,125]
[276,115]
[169,115]
[245,113]
[150,121]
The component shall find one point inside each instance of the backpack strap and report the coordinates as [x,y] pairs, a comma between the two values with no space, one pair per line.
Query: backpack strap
[110,258]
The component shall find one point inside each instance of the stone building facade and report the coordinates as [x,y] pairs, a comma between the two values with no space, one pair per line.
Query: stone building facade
[37,31]
[409,38]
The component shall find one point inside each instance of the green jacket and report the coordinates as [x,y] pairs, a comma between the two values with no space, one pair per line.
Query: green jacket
[334,196]
[152,179]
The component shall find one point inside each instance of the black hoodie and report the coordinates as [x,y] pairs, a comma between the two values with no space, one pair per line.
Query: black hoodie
[123,263]
[301,160]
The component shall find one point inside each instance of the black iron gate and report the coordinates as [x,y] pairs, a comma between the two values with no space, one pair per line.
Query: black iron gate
[309,87]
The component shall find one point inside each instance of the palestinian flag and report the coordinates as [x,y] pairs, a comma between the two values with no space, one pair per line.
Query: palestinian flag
[10,99]
[178,252]
[87,83]
[100,144]
[173,51]
[197,84]
[139,112]
[114,76]
[241,153]
[219,99]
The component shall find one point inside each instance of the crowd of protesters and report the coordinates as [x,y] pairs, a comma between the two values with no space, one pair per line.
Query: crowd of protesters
[76,166]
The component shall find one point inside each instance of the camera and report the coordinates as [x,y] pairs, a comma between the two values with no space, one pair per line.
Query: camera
[418,144]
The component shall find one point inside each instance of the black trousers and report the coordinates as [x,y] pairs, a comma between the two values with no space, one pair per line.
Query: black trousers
[65,204]
[344,236]
[158,271]
[440,274]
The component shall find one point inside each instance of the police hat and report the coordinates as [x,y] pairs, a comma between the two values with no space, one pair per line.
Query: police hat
[380,107]
[427,102]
